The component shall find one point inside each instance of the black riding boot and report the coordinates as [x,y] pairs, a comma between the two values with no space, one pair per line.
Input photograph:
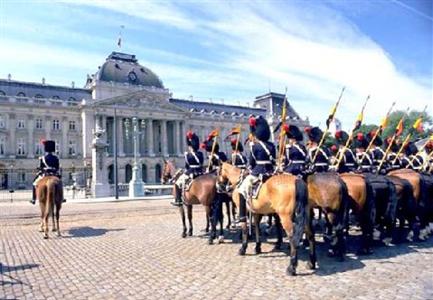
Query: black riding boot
[33,201]
[178,199]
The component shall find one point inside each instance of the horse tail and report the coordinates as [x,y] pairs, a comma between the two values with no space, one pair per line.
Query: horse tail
[343,212]
[299,217]
[391,210]
[369,211]
[50,196]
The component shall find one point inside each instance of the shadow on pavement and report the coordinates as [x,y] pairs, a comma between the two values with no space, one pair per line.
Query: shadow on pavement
[10,269]
[85,231]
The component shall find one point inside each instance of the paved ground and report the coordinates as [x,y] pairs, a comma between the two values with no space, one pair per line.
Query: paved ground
[134,250]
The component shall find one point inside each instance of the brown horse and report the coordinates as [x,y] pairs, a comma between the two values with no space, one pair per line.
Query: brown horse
[168,172]
[328,192]
[202,191]
[49,191]
[362,205]
[283,194]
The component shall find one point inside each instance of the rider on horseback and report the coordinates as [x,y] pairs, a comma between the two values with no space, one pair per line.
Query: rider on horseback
[348,162]
[48,166]
[193,166]
[416,161]
[238,159]
[321,164]
[216,157]
[296,154]
[261,161]
[363,158]
[376,152]
[393,160]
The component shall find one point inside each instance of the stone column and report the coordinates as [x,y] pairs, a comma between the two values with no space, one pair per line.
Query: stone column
[178,138]
[31,139]
[12,137]
[120,137]
[164,139]
[65,129]
[88,125]
[149,135]
[100,186]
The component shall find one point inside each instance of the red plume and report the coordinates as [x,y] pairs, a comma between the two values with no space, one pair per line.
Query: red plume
[286,128]
[189,134]
[359,136]
[307,129]
[371,133]
[233,141]
[252,122]
[202,146]
[334,148]
[338,134]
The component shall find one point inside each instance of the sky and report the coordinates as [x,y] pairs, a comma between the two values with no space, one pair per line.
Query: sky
[233,51]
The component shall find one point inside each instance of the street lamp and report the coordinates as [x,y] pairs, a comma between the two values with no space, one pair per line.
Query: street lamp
[136,184]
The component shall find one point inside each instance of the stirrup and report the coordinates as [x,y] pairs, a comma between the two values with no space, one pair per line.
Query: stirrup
[32,201]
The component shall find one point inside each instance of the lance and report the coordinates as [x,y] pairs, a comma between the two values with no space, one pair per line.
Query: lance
[328,121]
[238,135]
[213,150]
[423,146]
[282,139]
[376,134]
[349,140]
[392,141]
[426,163]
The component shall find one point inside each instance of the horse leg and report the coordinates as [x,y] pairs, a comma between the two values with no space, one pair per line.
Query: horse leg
[182,215]
[257,219]
[287,223]
[210,216]
[309,232]
[233,212]
[279,229]
[53,217]
[189,210]
[221,221]
[244,246]
[58,218]
[229,223]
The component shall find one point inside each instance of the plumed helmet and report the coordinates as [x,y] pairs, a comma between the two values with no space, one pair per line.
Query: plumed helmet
[410,149]
[293,132]
[208,144]
[394,147]
[192,140]
[360,141]
[314,134]
[49,146]
[334,149]
[233,144]
[260,128]
[429,146]
[377,141]
[341,137]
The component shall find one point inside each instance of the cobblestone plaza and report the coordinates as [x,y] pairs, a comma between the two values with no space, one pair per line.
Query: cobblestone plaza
[133,250]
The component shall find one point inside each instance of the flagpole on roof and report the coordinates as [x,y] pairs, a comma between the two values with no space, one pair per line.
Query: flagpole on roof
[119,40]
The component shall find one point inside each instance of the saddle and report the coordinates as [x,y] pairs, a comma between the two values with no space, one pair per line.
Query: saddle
[258,184]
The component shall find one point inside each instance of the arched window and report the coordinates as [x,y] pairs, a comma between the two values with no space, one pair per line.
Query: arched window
[56,97]
[158,173]
[72,99]
[144,173]
[39,96]
[2,93]
[128,173]
[21,94]
[111,174]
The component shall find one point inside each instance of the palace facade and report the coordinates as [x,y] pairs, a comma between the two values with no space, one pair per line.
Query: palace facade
[30,112]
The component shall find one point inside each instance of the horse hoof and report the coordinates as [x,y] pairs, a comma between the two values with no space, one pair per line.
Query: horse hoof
[183,234]
[311,266]
[277,247]
[291,271]
[190,233]
[45,237]
[54,230]
[364,251]
[258,250]
[210,241]
[242,251]
[221,239]
[41,230]
[58,234]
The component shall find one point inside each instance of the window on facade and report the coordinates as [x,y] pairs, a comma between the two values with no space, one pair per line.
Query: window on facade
[21,146]
[56,97]
[2,93]
[72,148]
[21,124]
[39,149]
[2,145]
[56,124]
[57,147]
[38,124]
[39,96]
[72,125]
[72,99]
[21,177]
[2,122]
[21,94]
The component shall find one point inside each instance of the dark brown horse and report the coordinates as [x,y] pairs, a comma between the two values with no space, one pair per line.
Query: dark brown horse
[202,191]
[328,192]
[49,191]
[362,205]
[283,194]
[168,172]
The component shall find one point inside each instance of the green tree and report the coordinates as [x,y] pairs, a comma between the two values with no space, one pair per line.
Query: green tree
[408,123]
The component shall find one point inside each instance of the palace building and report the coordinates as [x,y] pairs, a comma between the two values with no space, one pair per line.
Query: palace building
[30,112]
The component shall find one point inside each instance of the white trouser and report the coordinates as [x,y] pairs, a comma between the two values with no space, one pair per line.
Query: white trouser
[245,189]
[180,182]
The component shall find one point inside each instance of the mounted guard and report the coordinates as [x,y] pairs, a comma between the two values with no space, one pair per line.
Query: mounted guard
[238,158]
[296,154]
[318,155]
[193,166]
[348,161]
[363,158]
[216,157]
[49,165]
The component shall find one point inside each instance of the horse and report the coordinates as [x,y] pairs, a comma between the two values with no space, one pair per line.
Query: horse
[202,190]
[168,172]
[363,206]
[283,194]
[328,192]
[422,186]
[49,191]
